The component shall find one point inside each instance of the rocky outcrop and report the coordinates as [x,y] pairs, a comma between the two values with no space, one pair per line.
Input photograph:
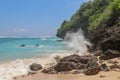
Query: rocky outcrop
[107,38]
[85,64]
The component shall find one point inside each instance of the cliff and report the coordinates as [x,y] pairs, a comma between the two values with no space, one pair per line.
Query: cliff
[90,16]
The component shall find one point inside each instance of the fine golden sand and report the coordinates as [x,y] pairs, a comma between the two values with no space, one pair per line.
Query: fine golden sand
[112,75]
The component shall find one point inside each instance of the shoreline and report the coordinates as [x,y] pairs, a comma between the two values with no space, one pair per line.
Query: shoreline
[21,66]
[18,70]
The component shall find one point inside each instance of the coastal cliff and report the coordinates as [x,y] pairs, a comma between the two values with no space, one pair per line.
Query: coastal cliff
[100,22]
[90,16]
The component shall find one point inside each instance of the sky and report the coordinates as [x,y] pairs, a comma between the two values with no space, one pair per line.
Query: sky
[35,17]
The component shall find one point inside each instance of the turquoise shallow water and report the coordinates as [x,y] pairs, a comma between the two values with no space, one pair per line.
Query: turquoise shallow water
[10,47]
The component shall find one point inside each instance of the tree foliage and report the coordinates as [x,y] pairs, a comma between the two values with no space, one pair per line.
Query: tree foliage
[90,16]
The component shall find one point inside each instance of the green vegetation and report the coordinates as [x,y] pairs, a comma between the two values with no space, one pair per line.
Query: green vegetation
[90,16]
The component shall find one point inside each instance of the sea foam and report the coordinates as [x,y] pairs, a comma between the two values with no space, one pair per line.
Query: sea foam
[77,41]
[13,69]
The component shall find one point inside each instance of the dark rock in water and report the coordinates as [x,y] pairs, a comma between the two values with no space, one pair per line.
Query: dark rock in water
[104,67]
[37,44]
[23,45]
[98,53]
[65,66]
[35,67]
[109,54]
[93,68]
[50,70]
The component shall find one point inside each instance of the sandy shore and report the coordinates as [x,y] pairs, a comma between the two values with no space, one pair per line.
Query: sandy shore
[19,67]
[112,75]
[109,75]
[18,70]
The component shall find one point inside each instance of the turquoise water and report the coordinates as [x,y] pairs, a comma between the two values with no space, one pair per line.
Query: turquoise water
[10,47]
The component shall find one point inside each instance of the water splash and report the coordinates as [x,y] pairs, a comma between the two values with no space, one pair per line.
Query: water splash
[77,41]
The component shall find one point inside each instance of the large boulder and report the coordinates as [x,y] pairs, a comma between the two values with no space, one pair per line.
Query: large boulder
[35,67]
[92,68]
[75,62]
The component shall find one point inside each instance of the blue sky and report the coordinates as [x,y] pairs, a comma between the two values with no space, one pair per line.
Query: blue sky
[35,17]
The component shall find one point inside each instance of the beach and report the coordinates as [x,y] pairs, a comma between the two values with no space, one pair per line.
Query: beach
[18,70]
[102,75]
[113,75]
[19,67]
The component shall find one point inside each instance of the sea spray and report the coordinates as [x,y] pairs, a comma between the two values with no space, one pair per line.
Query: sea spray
[77,41]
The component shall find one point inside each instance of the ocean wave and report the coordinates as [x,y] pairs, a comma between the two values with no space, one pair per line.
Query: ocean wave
[15,68]
[21,67]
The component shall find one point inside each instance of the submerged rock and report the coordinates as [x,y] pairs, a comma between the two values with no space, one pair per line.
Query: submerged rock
[23,45]
[37,45]
[35,67]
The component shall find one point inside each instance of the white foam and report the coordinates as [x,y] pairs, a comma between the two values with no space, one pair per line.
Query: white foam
[77,41]
[13,69]
[20,67]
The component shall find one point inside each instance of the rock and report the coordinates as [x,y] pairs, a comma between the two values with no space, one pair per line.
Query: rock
[37,45]
[82,66]
[109,54]
[104,67]
[23,45]
[93,68]
[115,66]
[78,59]
[74,62]
[50,70]
[35,67]
[107,38]
[112,61]
[98,53]
[65,66]
[101,61]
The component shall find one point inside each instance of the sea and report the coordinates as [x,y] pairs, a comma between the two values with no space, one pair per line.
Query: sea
[10,47]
